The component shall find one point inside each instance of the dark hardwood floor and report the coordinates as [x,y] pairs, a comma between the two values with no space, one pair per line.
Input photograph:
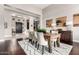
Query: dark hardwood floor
[75,49]
[11,47]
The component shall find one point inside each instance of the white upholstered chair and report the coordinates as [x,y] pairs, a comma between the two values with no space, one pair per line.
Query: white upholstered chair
[36,38]
[26,36]
[41,41]
[26,33]
[55,38]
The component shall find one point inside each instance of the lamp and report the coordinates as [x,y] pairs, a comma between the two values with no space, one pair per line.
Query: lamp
[13,14]
[53,24]
[69,23]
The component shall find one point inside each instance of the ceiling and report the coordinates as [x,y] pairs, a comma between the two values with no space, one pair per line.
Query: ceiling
[41,6]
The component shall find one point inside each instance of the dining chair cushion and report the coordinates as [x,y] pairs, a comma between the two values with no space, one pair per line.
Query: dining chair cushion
[41,40]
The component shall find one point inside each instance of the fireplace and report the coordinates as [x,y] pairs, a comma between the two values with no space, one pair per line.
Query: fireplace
[19,27]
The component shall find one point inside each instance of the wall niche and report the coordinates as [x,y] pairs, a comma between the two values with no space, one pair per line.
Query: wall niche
[61,21]
[76,20]
[49,23]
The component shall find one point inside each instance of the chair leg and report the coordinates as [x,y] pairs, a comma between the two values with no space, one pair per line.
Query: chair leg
[29,40]
[37,46]
[54,44]
[58,43]
[42,50]
[32,42]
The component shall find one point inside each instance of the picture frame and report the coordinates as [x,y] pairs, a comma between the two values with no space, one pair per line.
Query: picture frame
[49,23]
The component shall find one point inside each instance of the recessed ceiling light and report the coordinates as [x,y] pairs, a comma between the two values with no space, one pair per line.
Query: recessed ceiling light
[13,14]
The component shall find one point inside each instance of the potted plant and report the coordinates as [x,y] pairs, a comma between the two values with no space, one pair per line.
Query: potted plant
[41,30]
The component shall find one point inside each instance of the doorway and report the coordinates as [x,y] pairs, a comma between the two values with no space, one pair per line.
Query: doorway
[18,27]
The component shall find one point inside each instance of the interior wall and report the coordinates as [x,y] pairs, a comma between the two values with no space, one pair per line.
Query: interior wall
[30,8]
[56,10]
[31,24]
[8,19]
[1,23]
[6,16]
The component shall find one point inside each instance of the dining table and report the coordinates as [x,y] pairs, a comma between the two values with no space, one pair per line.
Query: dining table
[47,36]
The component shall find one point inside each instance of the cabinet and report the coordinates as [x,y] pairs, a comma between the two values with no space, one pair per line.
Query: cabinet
[66,37]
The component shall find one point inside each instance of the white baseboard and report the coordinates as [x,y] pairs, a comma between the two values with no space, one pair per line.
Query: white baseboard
[76,41]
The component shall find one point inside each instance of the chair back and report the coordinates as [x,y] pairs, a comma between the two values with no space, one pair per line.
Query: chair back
[35,34]
[26,33]
[41,39]
[54,35]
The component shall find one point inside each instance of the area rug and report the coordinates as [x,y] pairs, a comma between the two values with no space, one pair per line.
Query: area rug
[30,49]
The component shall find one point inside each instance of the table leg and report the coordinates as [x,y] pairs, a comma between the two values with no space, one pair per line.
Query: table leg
[49,46]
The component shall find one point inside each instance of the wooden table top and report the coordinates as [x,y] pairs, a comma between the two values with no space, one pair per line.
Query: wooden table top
[48,36]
